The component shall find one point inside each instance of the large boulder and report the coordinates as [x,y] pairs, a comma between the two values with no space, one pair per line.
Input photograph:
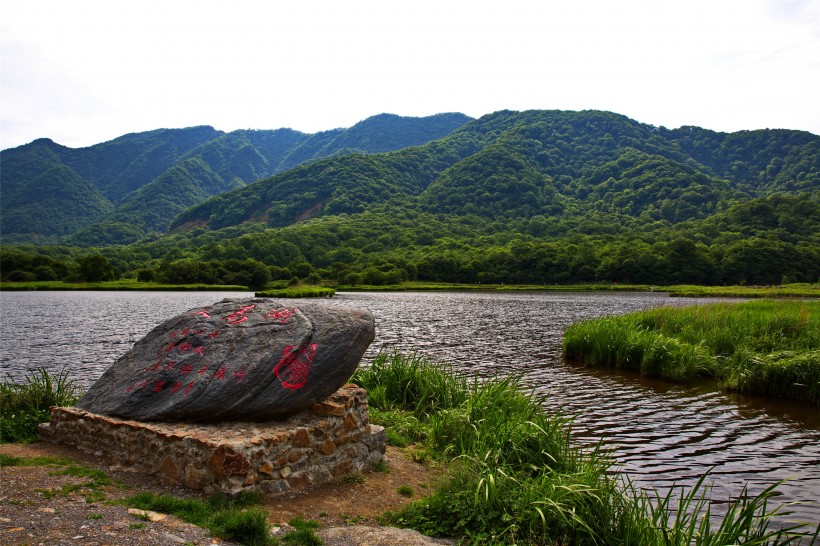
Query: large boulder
[239,359]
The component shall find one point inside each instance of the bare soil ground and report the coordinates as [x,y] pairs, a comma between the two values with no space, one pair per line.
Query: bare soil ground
[29,516]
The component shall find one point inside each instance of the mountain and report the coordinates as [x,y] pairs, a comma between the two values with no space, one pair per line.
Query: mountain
[530,164]
[121,190]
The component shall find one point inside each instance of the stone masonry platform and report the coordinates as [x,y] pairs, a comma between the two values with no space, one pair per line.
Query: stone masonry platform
[321,444]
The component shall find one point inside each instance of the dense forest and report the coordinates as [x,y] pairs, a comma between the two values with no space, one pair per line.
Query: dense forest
[515,197]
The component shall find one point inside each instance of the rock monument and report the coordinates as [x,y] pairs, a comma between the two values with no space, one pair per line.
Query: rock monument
[243,395]
[248,359]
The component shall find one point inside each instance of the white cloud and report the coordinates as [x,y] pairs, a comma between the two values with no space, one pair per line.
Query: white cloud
[88,70]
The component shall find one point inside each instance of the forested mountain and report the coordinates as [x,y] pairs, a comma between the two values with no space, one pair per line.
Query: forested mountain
[119,191]
[514,197]
[537,163]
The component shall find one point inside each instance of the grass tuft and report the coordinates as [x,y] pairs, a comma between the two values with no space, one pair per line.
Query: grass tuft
[25,405]
[229,518]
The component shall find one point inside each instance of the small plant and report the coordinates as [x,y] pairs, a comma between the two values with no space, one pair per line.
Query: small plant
[323,514]
[381,466]
[420,456]
[347,519]
[406,491]
[95,515]
[304,533]
[358,477]
[137,526]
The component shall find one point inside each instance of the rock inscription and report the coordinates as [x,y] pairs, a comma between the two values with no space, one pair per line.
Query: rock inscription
[249,359]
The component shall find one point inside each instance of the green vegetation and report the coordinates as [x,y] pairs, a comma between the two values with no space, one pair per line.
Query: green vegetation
[11,460]
[24,406]
[232,519]
[406,491]
[298,292]
[132,187]
[123,284]
[65,467]
[760,347]
[304,533]
[236,518]
[514,198]
[515,478]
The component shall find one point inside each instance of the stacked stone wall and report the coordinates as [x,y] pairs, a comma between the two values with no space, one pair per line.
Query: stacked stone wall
[326,442]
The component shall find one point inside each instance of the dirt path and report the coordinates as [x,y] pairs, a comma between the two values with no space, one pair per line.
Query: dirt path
[347,510]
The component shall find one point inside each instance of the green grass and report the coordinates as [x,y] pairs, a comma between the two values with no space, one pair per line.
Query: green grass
[298,292]
[235,519]
[65,467]
[798,290]
[23,406]
[514,476]
[764,347]
[406,491]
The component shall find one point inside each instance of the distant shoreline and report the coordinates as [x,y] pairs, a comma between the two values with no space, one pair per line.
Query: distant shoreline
[802,290]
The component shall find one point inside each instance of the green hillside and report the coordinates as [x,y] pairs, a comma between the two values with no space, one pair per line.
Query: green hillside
[125,174]
[514,197]
[538,163]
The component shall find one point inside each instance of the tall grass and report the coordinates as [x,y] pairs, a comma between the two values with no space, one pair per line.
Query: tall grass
[25,405]
[516,478]
[763,347]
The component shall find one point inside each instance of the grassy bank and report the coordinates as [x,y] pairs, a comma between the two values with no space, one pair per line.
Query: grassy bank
[278,289]
[298,292]
[123,284]
[787,291]
[761,347]
[516,478]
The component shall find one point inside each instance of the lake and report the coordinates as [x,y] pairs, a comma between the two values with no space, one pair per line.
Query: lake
[661,433]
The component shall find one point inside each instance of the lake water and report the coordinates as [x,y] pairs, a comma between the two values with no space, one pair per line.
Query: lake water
[661,433]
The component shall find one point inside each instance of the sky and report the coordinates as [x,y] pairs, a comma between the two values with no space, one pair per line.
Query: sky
[86,71]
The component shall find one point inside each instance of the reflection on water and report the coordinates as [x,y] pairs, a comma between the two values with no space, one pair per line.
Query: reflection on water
[660,432]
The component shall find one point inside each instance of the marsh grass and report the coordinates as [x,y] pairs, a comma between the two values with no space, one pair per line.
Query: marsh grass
[298,292]
[514,476]
[762,347]
[23,406]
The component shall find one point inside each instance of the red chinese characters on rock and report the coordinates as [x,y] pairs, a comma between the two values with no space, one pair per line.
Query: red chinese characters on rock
[179,343]
[282,316]
[238,316]
[292,369]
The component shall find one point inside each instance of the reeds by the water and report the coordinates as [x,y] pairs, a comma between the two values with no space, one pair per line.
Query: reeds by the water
[763,347]
[24,405]
[516,478]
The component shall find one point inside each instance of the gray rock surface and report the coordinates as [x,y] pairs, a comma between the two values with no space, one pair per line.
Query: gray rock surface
[239,359]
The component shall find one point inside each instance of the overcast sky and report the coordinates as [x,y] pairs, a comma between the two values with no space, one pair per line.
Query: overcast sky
[86,71]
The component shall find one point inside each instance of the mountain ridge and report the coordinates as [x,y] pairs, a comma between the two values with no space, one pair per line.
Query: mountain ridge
[120,167]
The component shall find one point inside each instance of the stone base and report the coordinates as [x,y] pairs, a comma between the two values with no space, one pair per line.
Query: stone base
[321,444]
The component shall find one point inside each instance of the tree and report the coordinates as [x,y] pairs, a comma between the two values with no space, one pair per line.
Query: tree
[96,268]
